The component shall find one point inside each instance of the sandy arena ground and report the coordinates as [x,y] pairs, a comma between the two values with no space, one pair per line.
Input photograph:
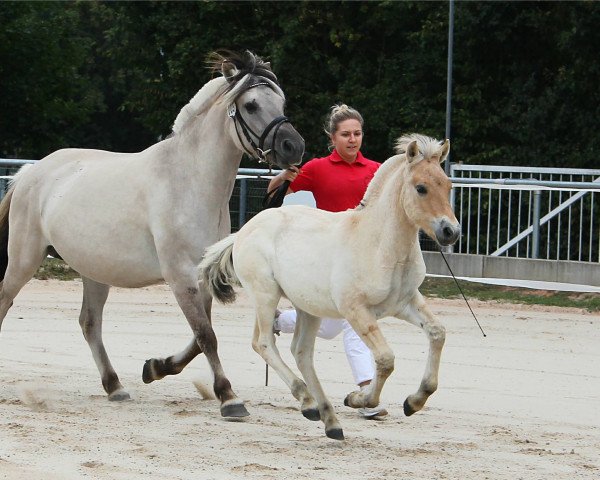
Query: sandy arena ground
[522,403]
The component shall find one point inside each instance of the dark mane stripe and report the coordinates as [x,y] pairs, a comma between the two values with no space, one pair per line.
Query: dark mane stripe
[245,64]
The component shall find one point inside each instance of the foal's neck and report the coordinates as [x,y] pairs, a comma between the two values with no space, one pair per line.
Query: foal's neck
[384,217]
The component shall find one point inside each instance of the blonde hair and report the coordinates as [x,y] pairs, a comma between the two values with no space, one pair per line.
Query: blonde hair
[339,113]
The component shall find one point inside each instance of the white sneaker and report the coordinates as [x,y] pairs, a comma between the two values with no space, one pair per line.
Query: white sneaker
[375,412]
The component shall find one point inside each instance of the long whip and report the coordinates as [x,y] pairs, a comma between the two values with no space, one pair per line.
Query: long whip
[462,293]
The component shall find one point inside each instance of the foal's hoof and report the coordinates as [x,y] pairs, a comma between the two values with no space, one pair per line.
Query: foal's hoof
[408,410]
[335,433]
[119,396]
[235,410]
[312,414]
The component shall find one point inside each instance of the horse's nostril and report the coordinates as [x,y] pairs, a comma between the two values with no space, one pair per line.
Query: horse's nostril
[288,146]
[448,232]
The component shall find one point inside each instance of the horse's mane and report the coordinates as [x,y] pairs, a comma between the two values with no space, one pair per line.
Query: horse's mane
[199,102]
[238,73]
[428,148]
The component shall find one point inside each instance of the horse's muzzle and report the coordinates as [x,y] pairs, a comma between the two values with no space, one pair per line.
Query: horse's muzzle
[447,233]
[288,148]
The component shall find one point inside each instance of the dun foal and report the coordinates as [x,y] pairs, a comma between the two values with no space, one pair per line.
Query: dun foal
[362,265]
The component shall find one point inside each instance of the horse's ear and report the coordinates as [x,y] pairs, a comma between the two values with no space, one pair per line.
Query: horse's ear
[445,150]
[412,151]
[229,70]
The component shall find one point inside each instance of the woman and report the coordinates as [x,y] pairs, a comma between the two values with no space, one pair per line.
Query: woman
[338,182]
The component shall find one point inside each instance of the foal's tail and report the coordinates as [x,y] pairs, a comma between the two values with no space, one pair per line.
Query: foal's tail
[217,272]
[4,209]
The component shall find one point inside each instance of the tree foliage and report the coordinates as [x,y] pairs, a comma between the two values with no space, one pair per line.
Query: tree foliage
[114,75]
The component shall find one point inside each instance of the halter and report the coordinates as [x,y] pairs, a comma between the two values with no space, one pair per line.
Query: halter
[259,153]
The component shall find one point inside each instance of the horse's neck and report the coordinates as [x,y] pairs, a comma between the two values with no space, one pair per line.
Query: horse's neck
[384,217]
[206,154]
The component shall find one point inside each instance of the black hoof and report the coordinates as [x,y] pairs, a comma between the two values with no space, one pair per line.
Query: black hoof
[147,376]
[235,410]
[312,414]
[335,433]
[408,410]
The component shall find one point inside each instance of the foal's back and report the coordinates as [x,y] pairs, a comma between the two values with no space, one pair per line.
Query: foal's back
[301,248]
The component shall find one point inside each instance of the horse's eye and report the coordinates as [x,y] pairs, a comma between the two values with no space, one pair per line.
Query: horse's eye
[251,107]
[421,189]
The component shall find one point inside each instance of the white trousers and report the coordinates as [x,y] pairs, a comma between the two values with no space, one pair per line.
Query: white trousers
[358,354]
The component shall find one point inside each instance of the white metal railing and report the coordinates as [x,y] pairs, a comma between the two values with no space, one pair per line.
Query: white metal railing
[528,212]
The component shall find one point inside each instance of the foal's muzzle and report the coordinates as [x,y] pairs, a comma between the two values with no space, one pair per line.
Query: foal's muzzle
[446,232]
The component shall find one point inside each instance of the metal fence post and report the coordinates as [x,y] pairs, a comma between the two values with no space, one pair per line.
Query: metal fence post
[243,195]
[535,236]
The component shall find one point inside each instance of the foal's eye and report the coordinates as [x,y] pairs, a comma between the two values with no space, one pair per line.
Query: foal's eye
[251,107]
[421,189]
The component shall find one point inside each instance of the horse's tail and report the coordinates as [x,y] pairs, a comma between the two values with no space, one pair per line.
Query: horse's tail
[4,209]
[216,270]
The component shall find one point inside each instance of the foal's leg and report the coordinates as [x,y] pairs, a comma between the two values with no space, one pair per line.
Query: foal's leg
[263,343]
[419,315]
[90,320]
[195,302]
[303,347]
[365,324]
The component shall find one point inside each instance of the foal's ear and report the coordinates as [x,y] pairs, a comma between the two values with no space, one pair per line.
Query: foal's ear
[229,70]
[445,150]
[412,151]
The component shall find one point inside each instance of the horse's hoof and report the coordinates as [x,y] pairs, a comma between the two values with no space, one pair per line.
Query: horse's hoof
[119,396]
[312,414]
[235,410]
[408,410]
[335,433]
[147,375]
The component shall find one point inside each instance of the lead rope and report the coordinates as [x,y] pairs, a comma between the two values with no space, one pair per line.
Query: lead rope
[462,293]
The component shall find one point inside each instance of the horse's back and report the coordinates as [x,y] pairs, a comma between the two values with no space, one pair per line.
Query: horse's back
[91,203]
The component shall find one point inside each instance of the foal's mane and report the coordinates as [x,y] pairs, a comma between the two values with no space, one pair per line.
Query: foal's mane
[237,74]
[428,148]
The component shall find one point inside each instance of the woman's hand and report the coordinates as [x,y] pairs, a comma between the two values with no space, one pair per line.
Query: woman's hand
[290,174]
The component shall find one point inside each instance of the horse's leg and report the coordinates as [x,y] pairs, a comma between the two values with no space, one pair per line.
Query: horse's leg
[303,347]
[365,324]
[419,315]
[90,320]
[195,302]
[263,343]
[158,368]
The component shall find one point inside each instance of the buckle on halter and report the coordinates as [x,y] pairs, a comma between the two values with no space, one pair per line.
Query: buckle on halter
[231,109]
[262,155]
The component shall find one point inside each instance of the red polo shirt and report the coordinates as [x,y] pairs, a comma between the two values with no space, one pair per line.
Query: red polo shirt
[336,185]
